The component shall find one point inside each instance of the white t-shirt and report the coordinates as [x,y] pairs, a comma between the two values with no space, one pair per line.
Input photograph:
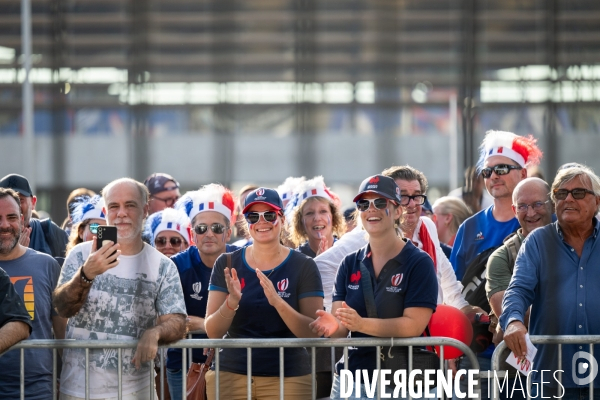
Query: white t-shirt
[122,303]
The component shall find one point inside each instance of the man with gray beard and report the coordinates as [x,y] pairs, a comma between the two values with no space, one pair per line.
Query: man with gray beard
[34,276]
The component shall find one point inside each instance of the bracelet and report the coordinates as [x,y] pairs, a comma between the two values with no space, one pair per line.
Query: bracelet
[222,316]
[228,306]
[84,278]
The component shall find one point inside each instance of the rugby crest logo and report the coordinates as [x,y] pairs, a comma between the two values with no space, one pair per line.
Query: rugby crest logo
[396,279]
[260,192]
[282,286]
[196,287]
[354,280]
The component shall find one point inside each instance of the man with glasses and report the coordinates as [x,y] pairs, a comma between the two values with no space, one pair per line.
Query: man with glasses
[533,208]
[164,191]
[503,159]
[556,272]
[210,210]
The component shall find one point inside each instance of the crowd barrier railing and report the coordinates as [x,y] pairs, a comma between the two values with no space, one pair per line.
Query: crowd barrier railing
[248,344]
[546,339]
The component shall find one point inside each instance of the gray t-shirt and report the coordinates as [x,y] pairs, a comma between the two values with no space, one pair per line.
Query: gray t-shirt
[34,276]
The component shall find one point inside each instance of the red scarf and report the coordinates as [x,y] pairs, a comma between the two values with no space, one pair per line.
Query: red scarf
[428,245]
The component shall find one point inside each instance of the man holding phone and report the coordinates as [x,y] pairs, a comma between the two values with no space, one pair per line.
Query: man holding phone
[124,290]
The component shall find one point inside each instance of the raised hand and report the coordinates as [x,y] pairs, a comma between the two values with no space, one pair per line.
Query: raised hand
[325,324]
[268,288]
[349,318]
[233,286]
[102,259]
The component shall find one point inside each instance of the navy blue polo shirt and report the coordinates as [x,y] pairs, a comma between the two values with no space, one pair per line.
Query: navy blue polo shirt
[408,282]
[194,276]
[297,277]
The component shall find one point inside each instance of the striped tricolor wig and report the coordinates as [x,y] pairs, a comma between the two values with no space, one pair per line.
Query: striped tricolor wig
[522,150]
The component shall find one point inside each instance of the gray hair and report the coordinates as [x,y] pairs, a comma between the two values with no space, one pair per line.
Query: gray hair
[142,189]
[568,174]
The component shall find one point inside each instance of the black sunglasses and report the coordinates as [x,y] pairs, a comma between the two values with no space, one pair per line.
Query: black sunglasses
[577,193]
[253,217]
[419,199]
[162,241]
[379,204]
[216,228]
[500,169]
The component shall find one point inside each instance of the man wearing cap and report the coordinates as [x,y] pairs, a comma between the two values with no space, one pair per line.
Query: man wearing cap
[34,276]
[118,291]
[210,210]
[164,191]
[44,235]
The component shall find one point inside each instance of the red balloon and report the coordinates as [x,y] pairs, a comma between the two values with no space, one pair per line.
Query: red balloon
[448,321]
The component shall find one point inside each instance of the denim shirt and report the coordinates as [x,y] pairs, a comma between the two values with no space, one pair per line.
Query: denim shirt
[563,289]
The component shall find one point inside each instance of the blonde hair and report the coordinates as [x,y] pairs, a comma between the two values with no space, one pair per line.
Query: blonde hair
[298,234]
[456,207]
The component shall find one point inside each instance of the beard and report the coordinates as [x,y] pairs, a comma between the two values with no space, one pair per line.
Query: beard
[8,244]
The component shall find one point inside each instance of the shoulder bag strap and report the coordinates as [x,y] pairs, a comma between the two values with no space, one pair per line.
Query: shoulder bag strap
[365,279]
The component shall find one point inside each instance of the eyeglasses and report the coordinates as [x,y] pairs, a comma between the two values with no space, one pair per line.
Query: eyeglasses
[379,203]
[217,228]
[94,227]
[419,199]
[537,206]
[500,169]
[577,193]
[168,201]
[162,241]
[254,217]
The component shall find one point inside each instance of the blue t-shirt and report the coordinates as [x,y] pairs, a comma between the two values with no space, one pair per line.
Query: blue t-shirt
[297,277]
[194,276]
[476,234]
[34,276]
[408,280]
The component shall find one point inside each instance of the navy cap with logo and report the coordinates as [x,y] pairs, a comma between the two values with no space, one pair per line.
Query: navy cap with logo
[382,185]
[266,196]
[156,183]
[18,183]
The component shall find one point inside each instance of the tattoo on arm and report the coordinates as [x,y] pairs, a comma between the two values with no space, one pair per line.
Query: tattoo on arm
[69,297]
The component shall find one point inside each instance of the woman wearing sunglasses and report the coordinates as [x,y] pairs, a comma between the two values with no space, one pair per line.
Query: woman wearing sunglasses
[88,215]
[270,291]
[168,231]
[402,278]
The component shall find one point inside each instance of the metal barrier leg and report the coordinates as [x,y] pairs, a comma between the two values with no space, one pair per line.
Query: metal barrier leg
[249,373]
[54,373]
[281,373]
[119,372]
[22,377]
[217,373]
[183,375]
[378,366]
[592,372]
[313,373]
[87,374]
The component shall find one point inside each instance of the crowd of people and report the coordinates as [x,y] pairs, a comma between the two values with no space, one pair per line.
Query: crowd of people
[514,253]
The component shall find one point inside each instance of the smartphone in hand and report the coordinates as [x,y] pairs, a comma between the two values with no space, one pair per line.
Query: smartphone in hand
[105,234]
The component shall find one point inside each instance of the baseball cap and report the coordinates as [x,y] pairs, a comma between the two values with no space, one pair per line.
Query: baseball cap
[156,183]
[382,185]
[17,183]
[262,195]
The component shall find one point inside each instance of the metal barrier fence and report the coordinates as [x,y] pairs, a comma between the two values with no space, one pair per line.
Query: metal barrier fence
[248,344]
[546,339]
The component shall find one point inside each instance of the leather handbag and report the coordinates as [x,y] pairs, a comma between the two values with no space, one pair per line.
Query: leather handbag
[396,357]
[196,381]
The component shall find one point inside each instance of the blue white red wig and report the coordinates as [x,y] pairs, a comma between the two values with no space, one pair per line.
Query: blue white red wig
[88,208]
[212,197]
[168,219]
[522,150]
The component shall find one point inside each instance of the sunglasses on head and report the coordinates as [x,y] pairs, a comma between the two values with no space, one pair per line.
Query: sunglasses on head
[94,227]
[216,228]
[577,193]
[254,217]
[500,169]
[162,241]
[364,204]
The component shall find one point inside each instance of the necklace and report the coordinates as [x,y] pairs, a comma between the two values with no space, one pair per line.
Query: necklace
[254,260]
